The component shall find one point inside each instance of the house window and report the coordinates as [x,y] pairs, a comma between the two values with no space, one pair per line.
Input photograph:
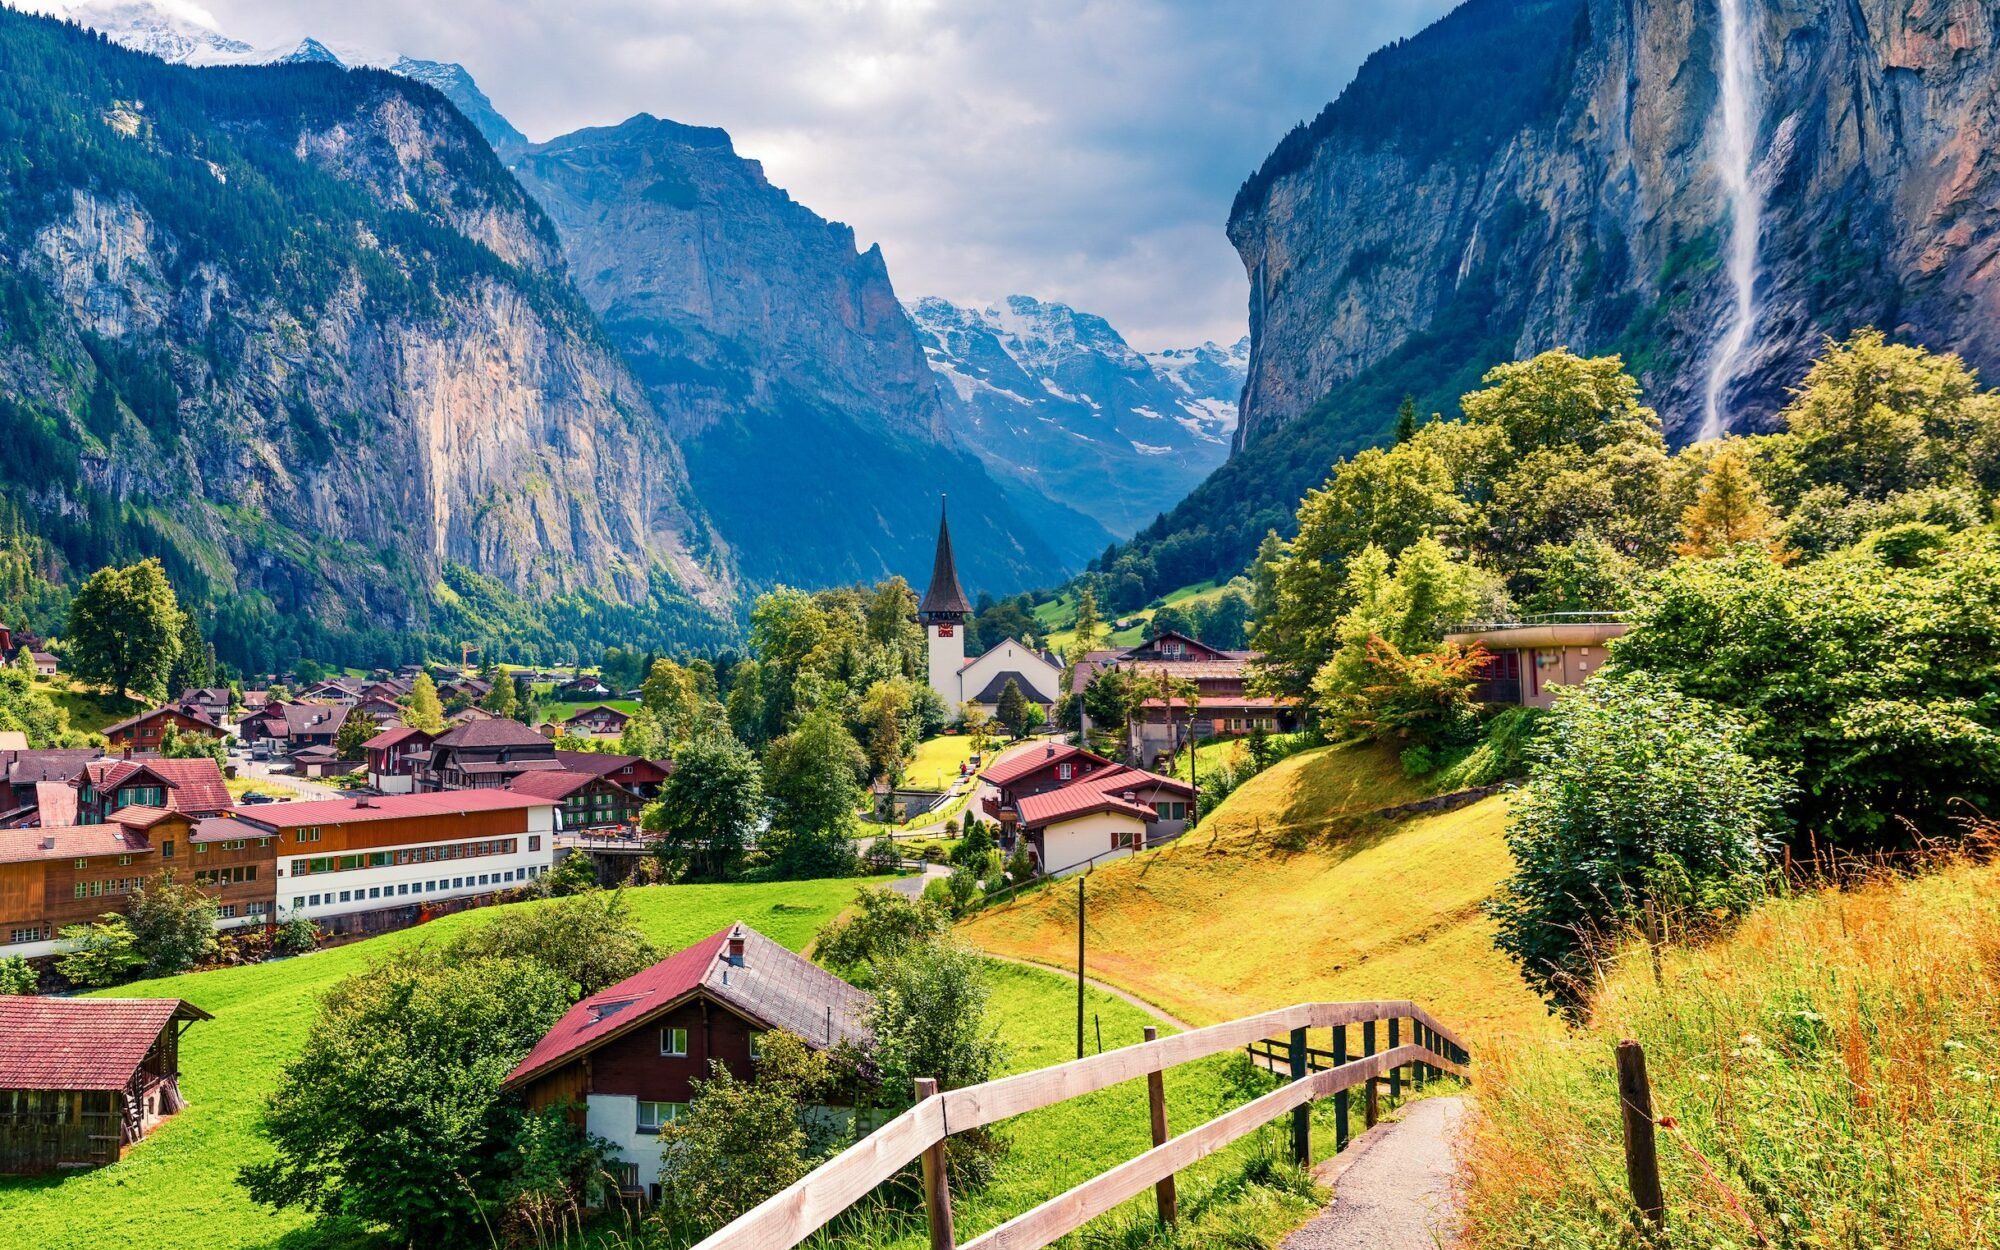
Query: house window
[166,848]
[83,863]
[674,1043]
[347,896]
[534,842]
[258,909]
[26,935]
[227,911]
[653,1115]
[315,900]
[1065,771]
[298,901]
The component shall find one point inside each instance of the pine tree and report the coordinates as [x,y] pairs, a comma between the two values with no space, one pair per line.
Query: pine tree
[1089,626]
[1012,709]
[1729,509]
[1406,420]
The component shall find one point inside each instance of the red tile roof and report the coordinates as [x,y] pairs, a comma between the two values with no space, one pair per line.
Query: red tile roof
[193,785]
[81,1043]
[557,784]
[20,846]
[772,987]
[1021,763]
[141,817]
[392,735]
[1101,791]
[384,807]
[55,803]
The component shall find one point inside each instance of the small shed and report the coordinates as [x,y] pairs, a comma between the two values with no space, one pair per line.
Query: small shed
[81,1079]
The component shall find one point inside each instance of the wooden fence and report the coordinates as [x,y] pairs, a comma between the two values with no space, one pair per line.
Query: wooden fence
[789,1217]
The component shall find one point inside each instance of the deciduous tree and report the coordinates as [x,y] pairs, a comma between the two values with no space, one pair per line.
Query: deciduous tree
[708,806]
[125,629]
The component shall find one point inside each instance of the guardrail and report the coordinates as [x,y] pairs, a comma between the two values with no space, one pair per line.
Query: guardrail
[796,1213]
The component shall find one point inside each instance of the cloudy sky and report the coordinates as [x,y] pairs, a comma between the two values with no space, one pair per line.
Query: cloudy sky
[1084,151]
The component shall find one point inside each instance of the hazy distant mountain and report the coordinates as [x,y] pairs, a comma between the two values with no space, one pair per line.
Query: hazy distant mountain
[1058,399]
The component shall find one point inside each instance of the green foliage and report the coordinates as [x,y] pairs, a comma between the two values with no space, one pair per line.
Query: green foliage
[295,935]
[173,925]
[554,1169]
[930,1018]
[1639,795]
[17,976]
[1584,574]
[31,711]
[124,629]
[392,1114]
[813,777]
[1864,679]
[574,873]
[643,736]
[1423,700]
[876,931]
[975,846]
[425,711]
[355,731]
[707,807]
[176,744]
[1012,708]
[99,952]
[590,939]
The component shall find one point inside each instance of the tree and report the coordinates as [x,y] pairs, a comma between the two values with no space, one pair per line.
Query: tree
[193,667]
[886,719]
[574,873]
[392,1112]
[708,806]
[978,726]
[1639,795]
[1089,628]
[1012,708]
[669,693]
[425,712]
[125,629]
[1728,510]
[930,1018]
[500,699]
[17,976]
[643,736]
[527,705]
[875,932]
[589,938]
[740,1141]
[355,731]
[179,744]
[813,777]
[1584,574]
[1414,699]
[1406,419]
[172,924]
[99,952]
[1109,698]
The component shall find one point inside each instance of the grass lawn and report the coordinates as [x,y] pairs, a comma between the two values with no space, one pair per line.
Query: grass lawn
[89,710]
[1055,616]
[177,1189]
[1284,895]
[937,762]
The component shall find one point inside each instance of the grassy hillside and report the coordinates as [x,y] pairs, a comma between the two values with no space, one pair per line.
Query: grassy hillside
[1286,893]
[178,1188]
[1829,1068]
[1054,616]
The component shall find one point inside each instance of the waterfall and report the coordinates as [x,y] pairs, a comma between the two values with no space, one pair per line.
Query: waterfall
[1733,166]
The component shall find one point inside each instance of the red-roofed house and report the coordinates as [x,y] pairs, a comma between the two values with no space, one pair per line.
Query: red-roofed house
[641,776]
[394,757]
[82,1079]
[192,786]
[1223,705]
[600,721]
[588,801]
[485,754]
[629,1054]
[1110,809]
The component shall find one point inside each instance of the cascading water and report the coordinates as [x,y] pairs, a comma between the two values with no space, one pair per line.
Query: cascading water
[1733,165]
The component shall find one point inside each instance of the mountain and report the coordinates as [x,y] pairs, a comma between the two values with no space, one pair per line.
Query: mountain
[1526,174]
[296,331]
[779,355]
[1057,399]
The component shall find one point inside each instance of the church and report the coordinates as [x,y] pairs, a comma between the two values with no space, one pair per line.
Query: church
[944,613]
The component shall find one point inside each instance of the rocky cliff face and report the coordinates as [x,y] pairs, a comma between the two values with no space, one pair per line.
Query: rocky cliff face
[1533,173]
[782,361]
[296,330]
[1058,399]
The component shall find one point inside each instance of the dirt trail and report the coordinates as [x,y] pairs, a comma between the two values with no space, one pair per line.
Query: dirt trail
[1394,1187]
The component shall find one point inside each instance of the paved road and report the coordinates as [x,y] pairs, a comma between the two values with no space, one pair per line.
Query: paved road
[1394,1186]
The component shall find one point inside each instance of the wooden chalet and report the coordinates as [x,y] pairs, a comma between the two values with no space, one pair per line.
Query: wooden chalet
[582,687]
[289,727]
[642,776]
[395,756]
[144,731]
[83,1079]
[1223,705]
[23,773]
[625,1059]
[194,787]
[486,754]
[210,701]
[600,721]
[588,802]
[1071,806]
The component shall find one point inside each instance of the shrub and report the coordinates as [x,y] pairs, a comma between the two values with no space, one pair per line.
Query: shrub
[588,939]
[1639,794]
[930,1019]
[173,925]
[876,931]
[883,856]
[99,952]
[17,976]
[296,935]
[574,873]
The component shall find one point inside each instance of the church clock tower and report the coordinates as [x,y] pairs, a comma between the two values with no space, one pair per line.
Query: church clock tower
[944,613]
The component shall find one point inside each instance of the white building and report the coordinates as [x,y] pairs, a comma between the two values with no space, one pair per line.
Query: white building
[945,613]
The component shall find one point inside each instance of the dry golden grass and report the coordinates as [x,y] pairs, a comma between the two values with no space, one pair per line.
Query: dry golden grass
[1286,895]
[1831,1072]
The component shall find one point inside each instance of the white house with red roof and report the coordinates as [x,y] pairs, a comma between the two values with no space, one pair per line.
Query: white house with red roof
[1072,807]
[626,1057]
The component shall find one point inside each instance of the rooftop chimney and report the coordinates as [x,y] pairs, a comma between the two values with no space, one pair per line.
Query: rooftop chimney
[1052,749]
[736,946]
[48,844]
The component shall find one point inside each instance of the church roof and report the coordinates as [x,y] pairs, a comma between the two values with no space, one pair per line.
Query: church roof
[944,595]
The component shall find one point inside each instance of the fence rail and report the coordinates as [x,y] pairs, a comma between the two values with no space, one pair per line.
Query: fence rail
[796,1213]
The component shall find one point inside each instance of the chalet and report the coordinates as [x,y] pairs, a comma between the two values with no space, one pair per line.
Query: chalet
[192,786]
[288,727]
[356,864]
[1528,659]
[600,721]
[83,1079]
[1222,705]
[209,701]
[23,772]
[582,687]
[625,1059]
[46,665]
[144,731]
[344,693]
[471,689]
[256,700]
[588,802]
[944,612]
[466,715]
[395,756]
[60,876]
[1071,806]
[485,754]
[322,761]
[642,776]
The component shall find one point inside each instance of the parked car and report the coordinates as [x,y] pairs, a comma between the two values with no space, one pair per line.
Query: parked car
[253,797]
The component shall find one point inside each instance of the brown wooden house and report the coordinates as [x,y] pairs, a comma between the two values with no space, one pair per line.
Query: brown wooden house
[82,1079]
[144,731]
[587,802]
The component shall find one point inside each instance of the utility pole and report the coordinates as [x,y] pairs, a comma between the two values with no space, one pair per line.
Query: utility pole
[1079,964]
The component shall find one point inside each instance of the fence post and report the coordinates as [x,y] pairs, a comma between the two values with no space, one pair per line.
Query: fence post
[1420,1071]
[1301,1114]
[937,1187]
[1395,1074]
[1156,1095]
[1370,1109]
[1339,1099]
[1642,1159]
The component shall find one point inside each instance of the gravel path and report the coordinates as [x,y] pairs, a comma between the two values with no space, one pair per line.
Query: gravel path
[1393,1186]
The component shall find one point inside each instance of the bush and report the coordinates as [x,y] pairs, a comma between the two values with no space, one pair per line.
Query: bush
[588,939]
[1639,794]
[17,976]
[296,935]
[100,952]
[173,925]
[930,1019]
[574,873]
[883,857]
[875,932]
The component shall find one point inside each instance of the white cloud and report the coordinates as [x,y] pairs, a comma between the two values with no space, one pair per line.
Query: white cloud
[1083,150]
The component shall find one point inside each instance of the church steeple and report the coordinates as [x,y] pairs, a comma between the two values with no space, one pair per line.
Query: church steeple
[944,600]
